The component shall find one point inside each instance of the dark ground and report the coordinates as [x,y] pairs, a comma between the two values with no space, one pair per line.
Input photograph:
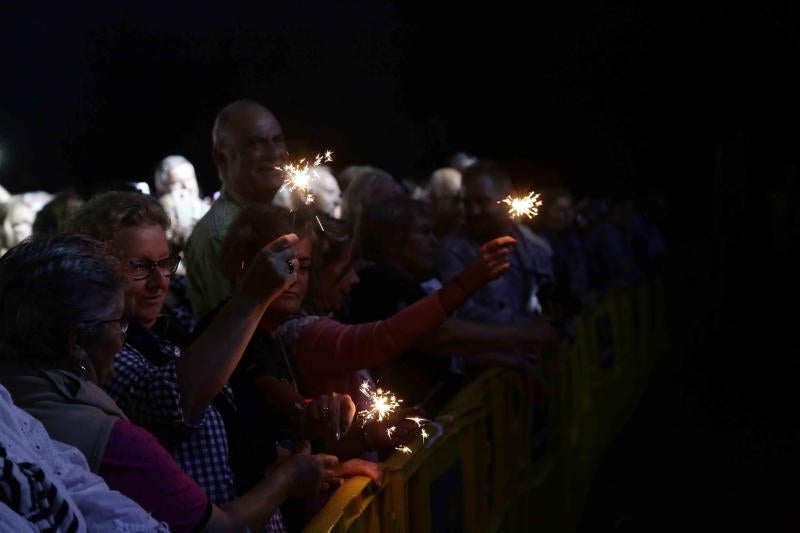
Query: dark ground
[713,443]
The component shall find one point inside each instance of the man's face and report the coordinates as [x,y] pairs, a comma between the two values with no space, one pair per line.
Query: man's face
[485,217]
[417,254]
[182,178]
[560,215]
[247,160]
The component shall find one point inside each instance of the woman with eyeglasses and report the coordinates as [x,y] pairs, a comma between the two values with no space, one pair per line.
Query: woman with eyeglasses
[179,394]
[61,306]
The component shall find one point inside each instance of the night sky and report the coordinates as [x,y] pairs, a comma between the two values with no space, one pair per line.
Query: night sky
[603,99]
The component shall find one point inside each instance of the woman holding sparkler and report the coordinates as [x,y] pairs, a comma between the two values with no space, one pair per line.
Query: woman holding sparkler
[348,349]
[63,318]
[180,396]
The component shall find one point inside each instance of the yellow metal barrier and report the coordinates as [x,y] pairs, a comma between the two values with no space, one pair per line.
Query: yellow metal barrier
[478,472]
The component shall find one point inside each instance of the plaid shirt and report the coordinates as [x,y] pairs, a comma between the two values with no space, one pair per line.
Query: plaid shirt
[146,388]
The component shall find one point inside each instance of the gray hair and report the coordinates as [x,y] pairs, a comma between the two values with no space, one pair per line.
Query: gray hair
[102,216]
[47,288]
[162,175]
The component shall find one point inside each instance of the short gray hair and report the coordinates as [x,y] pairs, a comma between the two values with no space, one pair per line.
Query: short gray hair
[48,287]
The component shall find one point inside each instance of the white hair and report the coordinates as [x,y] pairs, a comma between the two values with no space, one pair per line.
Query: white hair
[444,182]
[163,177]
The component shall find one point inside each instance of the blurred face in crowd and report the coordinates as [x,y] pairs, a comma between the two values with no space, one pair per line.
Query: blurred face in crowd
[182,179]
[560,215]
[106,340]
[328,194]
[333,283]
[139,247]
[291,301]
[384,188]
[18,225]
[485,217]
[250,150]
[416,255]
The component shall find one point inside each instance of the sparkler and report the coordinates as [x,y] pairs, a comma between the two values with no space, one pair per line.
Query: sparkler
[424,434]
[405,449]
[523,205]
[300,174]
[390,430]
[381,403]
[417,420]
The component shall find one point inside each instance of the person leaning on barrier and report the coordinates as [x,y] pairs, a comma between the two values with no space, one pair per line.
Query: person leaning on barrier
[398,238]
[515,297]
[248,145]
[177,393]
[62,321]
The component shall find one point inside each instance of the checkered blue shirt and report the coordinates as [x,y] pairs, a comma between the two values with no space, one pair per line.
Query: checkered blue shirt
[146,389]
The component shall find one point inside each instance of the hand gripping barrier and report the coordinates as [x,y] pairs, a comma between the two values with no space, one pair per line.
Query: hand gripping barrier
[480,469]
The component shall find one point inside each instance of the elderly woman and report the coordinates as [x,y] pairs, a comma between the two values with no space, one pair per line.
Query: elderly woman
[178,394]
[62,320]
[321,355]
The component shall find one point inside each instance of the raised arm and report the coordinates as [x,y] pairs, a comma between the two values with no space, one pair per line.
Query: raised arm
[205,367]
[353,347]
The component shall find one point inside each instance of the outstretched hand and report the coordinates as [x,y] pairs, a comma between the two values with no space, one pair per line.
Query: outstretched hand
[491,262]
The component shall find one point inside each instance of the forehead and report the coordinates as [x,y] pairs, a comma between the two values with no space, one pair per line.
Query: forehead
[482,186]
[254,122]
[141,242]
[183,171]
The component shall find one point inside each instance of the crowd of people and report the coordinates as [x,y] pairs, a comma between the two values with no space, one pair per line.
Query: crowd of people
[176,362]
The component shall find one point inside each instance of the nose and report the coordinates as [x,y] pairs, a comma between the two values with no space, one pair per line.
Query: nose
[276,153]
[157,279]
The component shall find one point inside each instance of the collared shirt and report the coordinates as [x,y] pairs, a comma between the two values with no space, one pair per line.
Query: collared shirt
[207,285]
[505,300]
[145,386]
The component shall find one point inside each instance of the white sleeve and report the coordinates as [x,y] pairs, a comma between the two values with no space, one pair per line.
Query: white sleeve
[102,508]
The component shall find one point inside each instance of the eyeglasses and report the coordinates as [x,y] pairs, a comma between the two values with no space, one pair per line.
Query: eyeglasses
[123,324]
[139,270]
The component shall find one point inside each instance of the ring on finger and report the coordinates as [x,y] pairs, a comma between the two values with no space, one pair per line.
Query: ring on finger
[290,265]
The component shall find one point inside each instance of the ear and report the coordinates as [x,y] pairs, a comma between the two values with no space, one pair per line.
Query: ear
[74,349]
[220,159]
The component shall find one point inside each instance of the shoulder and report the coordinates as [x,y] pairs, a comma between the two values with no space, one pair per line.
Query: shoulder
[291,329]
[534,239]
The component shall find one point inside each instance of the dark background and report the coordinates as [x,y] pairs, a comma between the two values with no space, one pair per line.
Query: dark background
[605,99]
[699,102]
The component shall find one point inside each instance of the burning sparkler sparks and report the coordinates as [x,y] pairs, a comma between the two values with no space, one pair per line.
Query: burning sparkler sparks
[417,420]
[405,449]
[300,174]
[390,430]
[523,205]
[381,403]
[424,434]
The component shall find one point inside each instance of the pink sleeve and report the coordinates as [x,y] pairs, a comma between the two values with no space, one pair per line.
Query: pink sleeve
[326,346]
[135,464]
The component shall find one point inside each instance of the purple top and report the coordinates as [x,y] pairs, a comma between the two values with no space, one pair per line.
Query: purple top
[135,464]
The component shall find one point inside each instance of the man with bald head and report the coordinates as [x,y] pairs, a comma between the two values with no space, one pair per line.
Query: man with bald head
[248,145]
